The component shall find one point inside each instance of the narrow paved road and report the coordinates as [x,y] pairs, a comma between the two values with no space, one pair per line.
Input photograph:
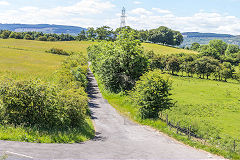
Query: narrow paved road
[116,138]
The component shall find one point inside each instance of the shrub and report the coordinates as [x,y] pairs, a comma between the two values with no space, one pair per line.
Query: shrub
[42,38]
[73,72]
[34,103]
[151,94]
[29,102]
[28,37]
[119,64]
[52,39]
[58,51]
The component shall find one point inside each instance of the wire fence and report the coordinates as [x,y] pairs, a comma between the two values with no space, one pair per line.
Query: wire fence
[227,143]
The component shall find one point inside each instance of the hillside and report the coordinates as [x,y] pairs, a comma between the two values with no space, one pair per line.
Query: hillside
[160,49]
[24,58]
[45,28]
[204,38]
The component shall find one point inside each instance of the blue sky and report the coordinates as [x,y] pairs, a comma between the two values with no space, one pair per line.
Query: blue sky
[219,16]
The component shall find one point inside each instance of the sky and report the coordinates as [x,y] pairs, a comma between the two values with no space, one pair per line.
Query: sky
[215,16]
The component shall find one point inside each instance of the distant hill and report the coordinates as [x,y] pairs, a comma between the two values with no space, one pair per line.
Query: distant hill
[198,34]
[204,38]
[45,28]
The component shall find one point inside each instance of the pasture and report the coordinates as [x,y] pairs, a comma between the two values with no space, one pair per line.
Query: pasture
[27,60]
[165,50]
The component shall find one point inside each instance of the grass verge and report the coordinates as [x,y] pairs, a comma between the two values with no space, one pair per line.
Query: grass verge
[36,135]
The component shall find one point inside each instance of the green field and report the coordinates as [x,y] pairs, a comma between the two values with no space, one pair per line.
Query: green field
[221,98]
[26,60]
[164,50]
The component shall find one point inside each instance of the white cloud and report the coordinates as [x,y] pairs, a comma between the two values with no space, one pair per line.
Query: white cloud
[140,11]
[137,2]
[81,14]
[163,11]
[141,18]
[94,13]
[4,3]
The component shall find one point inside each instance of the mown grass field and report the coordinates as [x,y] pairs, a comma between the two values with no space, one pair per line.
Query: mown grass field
[25,60]
[164,50]
[221,98]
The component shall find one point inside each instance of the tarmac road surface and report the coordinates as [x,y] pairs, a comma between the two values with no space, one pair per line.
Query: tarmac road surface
[116,138]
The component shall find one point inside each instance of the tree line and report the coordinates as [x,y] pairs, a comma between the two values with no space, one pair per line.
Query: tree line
[220,50]
[162,35]
[5,34]
[191,65]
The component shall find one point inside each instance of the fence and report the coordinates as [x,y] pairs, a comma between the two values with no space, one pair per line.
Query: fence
[230,144]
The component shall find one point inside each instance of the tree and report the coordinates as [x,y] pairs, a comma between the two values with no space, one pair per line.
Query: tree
[119,64]
[173,64]
[231,49]
[206,66]
[227,70]
[151,94]
[143,35]
[104,33]
[82,36]
[91,33]
[161,35]
[42,38]
[210,51]
[28,37]
[219,45]
[12,35]
[51,39]
[5,34]
[165,35]
[195,46]
[177,38]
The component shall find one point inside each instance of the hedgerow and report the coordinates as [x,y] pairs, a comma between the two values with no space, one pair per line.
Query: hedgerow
[40,104]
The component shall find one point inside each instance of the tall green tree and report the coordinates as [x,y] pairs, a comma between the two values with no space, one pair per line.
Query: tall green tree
[119,64]
[91,33]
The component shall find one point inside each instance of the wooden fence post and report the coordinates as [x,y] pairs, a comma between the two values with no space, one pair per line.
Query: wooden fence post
[189,132]
[177,127]
[167,119]
[234,145]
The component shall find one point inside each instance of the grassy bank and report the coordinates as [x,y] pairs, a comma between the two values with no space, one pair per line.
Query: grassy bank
[36,135]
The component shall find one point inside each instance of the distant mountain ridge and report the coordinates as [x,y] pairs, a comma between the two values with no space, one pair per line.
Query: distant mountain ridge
[45,28]
[204,38]
[198,34]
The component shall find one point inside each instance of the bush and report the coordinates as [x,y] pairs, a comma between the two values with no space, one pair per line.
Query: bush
[42,38]
[29,102]
[52,39]
[34,103]
[58,51]
[151,94]
[28,37]
[119,64]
